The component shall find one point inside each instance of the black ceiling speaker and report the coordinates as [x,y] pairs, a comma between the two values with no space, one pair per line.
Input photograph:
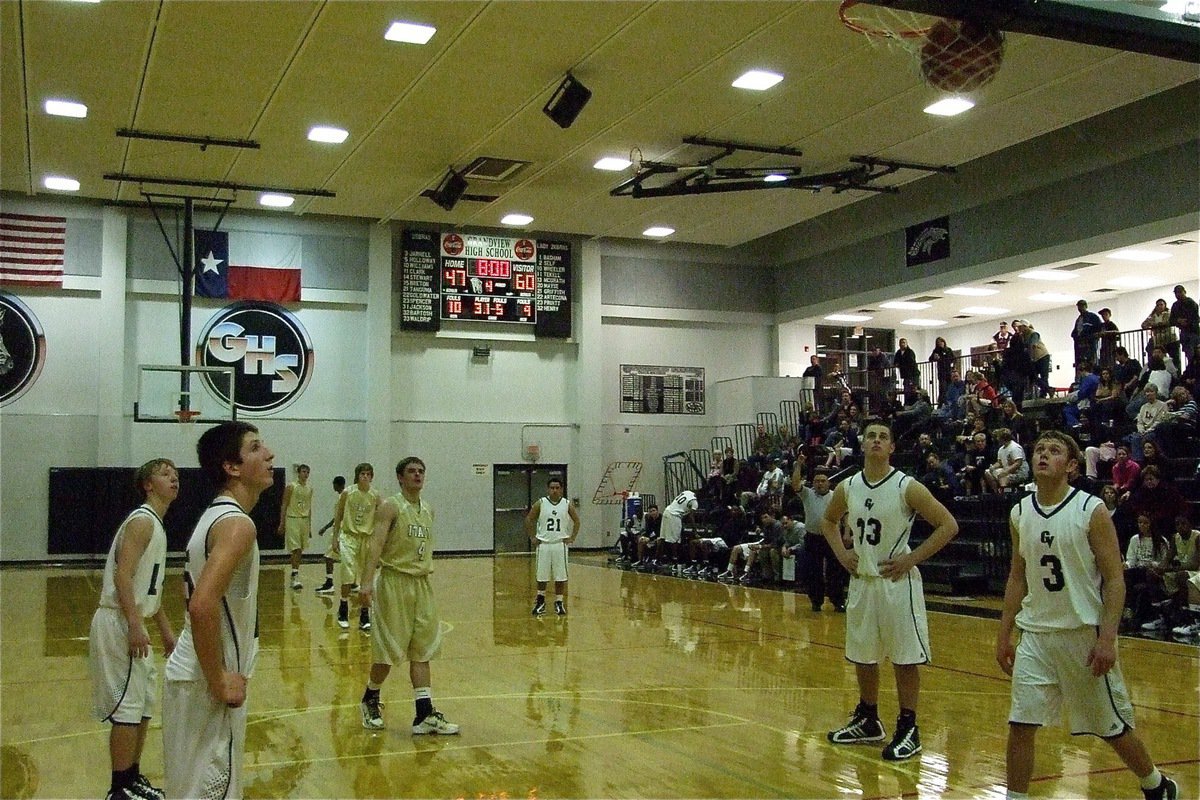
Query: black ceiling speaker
[567,101]
[449,190]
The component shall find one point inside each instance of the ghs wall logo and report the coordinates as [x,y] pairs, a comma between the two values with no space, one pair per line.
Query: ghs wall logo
[22,348]
[269,349]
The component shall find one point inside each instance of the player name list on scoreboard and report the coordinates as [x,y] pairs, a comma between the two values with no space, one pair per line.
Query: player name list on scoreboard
[661,390]
[487,279]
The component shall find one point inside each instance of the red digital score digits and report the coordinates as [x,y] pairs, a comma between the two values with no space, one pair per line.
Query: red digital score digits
[524,282]
[493,268]
[454,276]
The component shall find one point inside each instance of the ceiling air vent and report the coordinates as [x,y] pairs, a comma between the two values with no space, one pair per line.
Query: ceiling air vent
[1076,266]
[1098,291]
[925,298]
[866,311]
[487,168]
[996,283]
[1178,242]
[961,316]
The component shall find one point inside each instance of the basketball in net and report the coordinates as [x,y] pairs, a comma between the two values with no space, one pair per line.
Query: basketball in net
[960,56]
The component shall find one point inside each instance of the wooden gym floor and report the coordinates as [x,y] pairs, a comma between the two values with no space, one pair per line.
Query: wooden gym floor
[652,687]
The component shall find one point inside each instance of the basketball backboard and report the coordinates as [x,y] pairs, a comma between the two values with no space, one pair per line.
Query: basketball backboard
[171,393]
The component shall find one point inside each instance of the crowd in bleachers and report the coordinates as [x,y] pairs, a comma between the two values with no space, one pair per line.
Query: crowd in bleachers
[1137,423]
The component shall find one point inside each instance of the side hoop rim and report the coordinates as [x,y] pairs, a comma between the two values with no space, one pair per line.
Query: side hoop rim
[867,29]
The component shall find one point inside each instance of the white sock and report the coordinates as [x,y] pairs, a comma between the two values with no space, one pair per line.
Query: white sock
[558,598]
[374,687]
[1011,795]
[1152,780]
[423,693]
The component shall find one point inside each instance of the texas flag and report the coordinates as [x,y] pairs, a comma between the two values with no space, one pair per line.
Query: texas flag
[243,265]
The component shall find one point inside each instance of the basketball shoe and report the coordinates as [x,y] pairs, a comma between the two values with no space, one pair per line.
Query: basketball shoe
[1167,789]
[372,718]
[862,727]
[905,744]
[559,608]
[364,619]
[539,606]
[435,723]
[143,789]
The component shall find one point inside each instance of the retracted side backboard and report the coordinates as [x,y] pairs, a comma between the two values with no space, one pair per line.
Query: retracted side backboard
[177,394]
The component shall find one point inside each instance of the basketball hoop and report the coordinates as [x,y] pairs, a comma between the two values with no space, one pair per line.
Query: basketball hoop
[951,55]
[186,416]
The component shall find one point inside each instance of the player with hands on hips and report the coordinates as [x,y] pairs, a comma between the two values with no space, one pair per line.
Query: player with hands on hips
[546,526]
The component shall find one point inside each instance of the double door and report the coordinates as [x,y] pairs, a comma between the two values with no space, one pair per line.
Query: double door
[515,488]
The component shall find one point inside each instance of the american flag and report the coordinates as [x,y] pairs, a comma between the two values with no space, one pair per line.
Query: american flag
[31,249]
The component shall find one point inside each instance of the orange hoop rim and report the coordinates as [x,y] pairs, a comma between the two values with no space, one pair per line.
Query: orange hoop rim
[865,28]
[186,416]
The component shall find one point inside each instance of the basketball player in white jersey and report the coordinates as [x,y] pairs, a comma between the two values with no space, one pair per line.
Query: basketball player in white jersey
[885,607]
[1065,592]
[545,526]
[353,520]
[672,522]
[295,519]
[121,661]
[204,725]
[407,627]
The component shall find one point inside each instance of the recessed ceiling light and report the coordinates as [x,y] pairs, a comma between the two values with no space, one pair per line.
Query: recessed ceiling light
[327,134]
[971,291]
[986,311]
[60,184]
[774,177]
[1137,281]
[949,107]
[1054,297]
[1048,275]
[758,80]
[276,200]
[410,32]
[1139,255]
[65,108]
[847,317]
[516,219]
[658,231]
[917,322]
[612,164]
[904,305]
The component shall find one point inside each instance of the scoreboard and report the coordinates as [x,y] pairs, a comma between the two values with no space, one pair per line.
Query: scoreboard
[493,289]
[466,277]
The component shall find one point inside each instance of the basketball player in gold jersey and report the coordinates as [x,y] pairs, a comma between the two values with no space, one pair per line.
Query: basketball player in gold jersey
[353,521]
[295,519]
[406,621]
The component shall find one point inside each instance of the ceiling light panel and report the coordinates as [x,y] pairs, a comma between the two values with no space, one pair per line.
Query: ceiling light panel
[410,33]
[1047,275]
[757,80]
[276,200]
[516,219]
[847,317]
[612,164]
[904,305]
[60,184]
[1134,254]
[65,108]
[327,134]
[658,231]
[949,107]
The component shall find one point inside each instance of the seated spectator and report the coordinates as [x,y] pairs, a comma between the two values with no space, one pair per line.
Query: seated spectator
[1126,370]
[923,447]
[1080,400]
[916,415]
[954,403]
[1015,421]
[1157,374]
[1109,400]
[1011,468]
[1184,563]
[1092,456]
[627,542]
[1152,456]
[1152,412]
[981,395]
[1177,425]
[1109,495]
[842,443]
[1126,473]
[766,551]
[713,484]
[939,478]
[1158,499]
[729,472]
[975,463]
[1146,559]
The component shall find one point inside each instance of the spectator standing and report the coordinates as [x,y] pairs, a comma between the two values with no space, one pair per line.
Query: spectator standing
[905,361]
[877,371]
[811,385]
[1185,316]
[1065,592]
[1108,338]
[1002,336]
[943,357]
[1085,334]
[821,572]
[886,610]
[1161,333]
[1039,357]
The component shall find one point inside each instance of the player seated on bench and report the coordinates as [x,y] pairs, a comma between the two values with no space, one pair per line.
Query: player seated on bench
[627,542]
[1180,583]
[707,555]
[647,543]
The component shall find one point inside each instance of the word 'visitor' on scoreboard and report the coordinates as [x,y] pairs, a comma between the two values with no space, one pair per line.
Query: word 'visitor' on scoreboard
[475,278]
